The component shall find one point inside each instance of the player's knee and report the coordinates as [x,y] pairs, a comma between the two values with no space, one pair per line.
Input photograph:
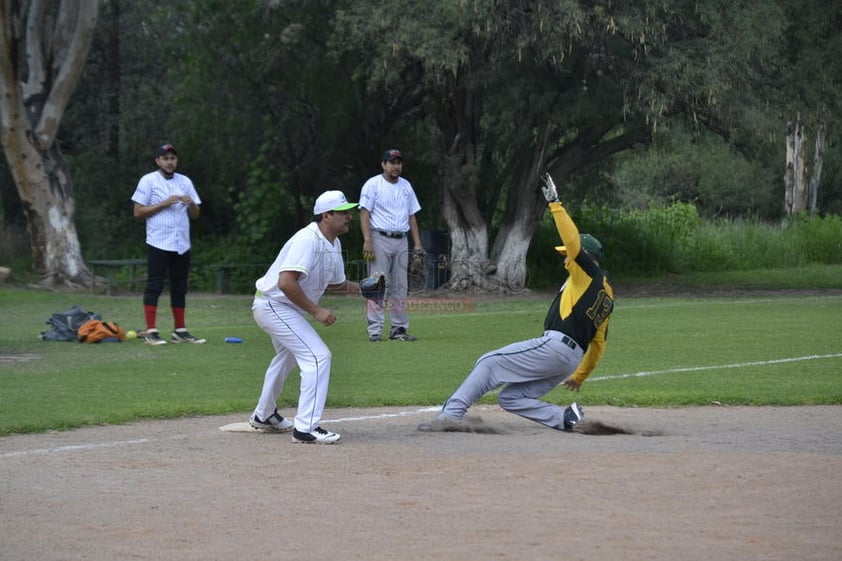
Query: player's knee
[510,402]
[322,355]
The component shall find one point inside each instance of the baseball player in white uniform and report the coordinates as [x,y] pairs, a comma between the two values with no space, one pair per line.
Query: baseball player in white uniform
[307,265]
[388,206]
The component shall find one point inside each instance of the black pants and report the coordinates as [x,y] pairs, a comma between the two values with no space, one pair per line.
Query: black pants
[157,264]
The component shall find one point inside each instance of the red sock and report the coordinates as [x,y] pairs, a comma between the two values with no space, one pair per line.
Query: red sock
[151,313]
[178,317]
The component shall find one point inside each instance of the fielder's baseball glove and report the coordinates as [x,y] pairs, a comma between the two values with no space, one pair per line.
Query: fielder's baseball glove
[416,262]
[373,288]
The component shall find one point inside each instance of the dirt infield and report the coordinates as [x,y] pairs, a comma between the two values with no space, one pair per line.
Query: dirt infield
[721,483]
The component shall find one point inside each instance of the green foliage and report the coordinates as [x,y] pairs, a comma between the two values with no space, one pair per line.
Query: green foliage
[674,239]
[265,209]
[271,102]
[661,352]
[696,168]
[820,238]
[747,244]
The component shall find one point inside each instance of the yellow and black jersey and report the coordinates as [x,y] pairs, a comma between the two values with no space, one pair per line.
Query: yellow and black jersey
[583,305]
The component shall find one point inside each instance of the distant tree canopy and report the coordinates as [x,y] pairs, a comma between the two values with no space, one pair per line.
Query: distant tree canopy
[272,101]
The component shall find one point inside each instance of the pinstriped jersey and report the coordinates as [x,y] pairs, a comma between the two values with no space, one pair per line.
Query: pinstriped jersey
[168,229]
[390,204]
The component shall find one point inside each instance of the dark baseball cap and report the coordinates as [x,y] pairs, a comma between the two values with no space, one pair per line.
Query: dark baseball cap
[164,148]
[392,154]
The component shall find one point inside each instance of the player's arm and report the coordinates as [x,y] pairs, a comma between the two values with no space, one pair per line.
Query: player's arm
[365,227]
[596,349]
[415,232]
[145,211]
[288,282]
[192,209]
[567,229]
[347,287]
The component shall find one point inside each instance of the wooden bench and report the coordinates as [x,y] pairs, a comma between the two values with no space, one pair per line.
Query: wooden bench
[111,267]
[222,270]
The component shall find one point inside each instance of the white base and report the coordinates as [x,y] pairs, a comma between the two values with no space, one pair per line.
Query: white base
[245,427]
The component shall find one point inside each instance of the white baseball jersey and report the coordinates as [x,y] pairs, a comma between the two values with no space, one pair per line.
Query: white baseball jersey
[168,229]
[390,204]
[318,260]
[295,340]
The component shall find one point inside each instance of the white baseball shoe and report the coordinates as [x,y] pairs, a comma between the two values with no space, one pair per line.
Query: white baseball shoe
[273,423]
[318,436]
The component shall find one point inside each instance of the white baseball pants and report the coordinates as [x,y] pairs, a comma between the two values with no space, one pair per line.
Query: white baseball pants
[296,342]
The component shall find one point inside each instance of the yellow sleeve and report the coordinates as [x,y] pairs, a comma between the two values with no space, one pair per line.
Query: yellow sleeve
[596,349]
[567,229]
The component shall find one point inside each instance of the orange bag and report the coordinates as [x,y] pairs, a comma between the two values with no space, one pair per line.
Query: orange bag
[94,331]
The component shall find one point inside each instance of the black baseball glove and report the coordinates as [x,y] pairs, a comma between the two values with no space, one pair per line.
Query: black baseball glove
[416,262]
[374,288]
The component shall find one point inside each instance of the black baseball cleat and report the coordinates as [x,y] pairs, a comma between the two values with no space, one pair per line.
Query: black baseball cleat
[181,335]
[400,334]
[318,436]
[572,415]
[153,338]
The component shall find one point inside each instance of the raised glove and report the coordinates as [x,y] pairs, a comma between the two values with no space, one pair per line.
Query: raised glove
[550,192]
[373,288]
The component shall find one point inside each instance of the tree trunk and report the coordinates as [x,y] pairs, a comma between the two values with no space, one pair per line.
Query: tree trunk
[801,193]
[818,161]
[525,206]
[53,43]
[49,206]
[468,237]
[468,230]
[795,198]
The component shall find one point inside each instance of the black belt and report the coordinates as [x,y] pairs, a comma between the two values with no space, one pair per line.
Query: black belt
[569,342]
[394,235]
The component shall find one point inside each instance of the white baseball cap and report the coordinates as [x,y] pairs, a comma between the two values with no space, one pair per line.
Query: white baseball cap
[332,201]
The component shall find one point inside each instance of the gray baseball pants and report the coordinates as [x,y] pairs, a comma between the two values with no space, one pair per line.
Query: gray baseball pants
[529,369]
[391,257]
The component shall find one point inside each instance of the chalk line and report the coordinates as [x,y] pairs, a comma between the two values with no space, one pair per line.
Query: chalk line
[716,367]
[140,441]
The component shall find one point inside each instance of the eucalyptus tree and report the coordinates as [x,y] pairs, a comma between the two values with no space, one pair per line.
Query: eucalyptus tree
[44,45]
[516,89]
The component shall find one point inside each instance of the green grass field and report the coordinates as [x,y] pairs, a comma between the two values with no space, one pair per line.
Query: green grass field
[759,350]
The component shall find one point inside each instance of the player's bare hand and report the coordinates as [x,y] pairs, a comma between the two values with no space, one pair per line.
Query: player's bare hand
[173,199]
[324,316]
[187,200]
[571,384]
[368,251]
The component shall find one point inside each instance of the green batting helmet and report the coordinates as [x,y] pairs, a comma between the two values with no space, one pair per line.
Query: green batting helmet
[589,244]
[592,246]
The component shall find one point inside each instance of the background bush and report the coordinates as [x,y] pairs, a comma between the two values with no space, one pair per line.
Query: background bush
[674,239]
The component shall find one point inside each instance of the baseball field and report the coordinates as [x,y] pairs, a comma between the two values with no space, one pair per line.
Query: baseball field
[729,404]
